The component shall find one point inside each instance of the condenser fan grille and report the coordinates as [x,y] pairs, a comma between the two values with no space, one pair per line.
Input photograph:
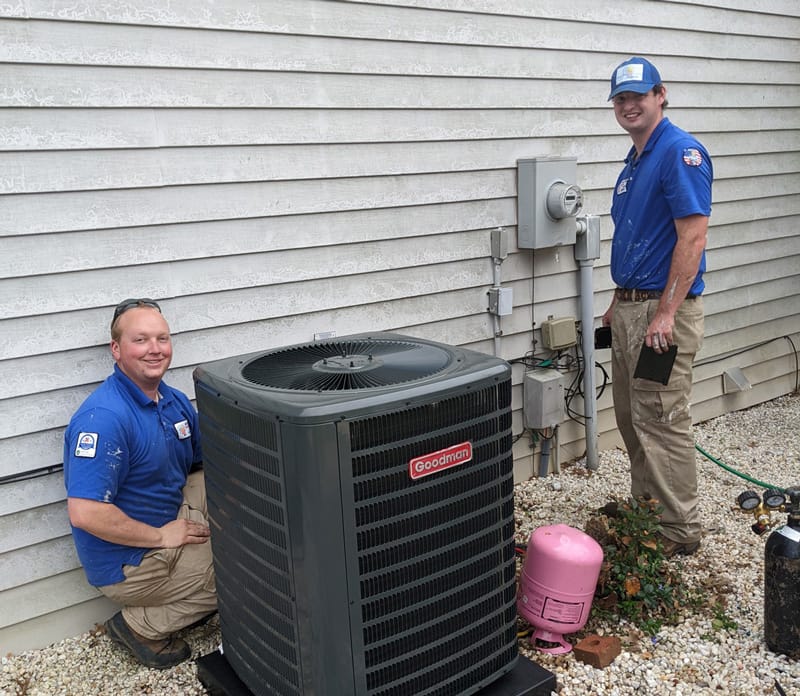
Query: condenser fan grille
[346,365]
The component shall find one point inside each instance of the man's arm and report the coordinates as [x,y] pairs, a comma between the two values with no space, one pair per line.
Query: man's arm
[692,234]
[106,521]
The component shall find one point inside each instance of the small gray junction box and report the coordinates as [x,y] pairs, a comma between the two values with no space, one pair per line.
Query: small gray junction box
[543,399]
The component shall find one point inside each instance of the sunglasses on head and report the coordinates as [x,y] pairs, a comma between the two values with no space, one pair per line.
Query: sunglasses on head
[125,305]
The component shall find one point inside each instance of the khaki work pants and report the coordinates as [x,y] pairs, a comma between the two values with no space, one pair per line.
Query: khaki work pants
[654,419]
[171,588]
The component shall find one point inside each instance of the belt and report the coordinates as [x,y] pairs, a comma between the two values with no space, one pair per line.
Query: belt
[634,295]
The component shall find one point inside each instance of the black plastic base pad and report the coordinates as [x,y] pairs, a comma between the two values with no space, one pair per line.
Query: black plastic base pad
[526,679]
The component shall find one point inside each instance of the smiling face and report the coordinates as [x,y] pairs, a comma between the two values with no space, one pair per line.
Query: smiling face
[639,114]
[143,349]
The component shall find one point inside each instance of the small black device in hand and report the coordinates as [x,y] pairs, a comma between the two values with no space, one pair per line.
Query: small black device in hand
[653,366]
[602,337]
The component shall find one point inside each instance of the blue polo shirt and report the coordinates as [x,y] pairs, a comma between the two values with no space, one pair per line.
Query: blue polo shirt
[671,180]
[123,448]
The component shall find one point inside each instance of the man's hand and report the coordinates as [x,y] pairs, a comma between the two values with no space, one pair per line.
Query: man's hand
[180,532]
[659,332]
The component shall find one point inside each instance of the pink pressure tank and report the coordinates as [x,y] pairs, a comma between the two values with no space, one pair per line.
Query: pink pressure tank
[557,584]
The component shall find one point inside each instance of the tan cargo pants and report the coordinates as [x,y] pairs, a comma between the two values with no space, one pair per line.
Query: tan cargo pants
[171,588]
[654,419]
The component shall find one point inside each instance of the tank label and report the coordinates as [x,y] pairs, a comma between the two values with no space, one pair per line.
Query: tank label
[789,533]
[440,460]
[562,612]
[552,609]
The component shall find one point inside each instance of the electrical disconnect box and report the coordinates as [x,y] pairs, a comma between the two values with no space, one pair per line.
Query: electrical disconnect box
[543,399]
[558,334]
[547,201]
[501,301]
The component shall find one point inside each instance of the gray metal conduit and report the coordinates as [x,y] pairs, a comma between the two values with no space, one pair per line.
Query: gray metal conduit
[587,251]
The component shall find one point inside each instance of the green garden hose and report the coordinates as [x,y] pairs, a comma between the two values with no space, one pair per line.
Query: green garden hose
[738,473]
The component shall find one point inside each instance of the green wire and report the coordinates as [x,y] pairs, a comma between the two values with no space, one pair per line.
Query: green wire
[737,473]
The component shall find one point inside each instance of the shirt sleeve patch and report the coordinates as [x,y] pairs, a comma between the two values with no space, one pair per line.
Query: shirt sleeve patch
[87,445]
[692,157]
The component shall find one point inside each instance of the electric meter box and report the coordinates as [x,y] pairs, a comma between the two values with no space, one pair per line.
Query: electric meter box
[547,201]
[542,399]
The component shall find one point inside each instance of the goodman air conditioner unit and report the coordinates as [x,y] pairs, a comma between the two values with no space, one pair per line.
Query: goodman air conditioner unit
[360,492]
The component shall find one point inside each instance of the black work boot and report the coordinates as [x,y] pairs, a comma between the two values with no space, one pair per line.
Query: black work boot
[158,654]
[672,548]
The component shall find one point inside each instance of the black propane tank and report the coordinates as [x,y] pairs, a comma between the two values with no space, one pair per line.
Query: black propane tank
[782,583]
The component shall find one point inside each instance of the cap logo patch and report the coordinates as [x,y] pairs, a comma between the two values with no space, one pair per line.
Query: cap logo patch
[633,72]
[692,157]
[87,445]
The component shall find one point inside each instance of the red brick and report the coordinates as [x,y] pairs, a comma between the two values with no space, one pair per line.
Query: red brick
[598,651]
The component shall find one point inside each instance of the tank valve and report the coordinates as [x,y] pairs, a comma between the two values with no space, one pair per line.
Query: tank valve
[781,565]
[762,507]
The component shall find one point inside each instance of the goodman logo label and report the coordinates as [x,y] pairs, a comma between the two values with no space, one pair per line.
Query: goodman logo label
[428,464]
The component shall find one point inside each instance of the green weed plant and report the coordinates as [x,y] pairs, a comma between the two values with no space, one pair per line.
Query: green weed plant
[636,582]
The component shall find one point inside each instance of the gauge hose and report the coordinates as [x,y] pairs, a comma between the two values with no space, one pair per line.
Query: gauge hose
[737,473]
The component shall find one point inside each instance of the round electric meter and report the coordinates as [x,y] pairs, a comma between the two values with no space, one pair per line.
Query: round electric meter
[564,200]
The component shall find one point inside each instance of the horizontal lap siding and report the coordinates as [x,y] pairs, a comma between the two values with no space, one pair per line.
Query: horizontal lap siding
[274,170]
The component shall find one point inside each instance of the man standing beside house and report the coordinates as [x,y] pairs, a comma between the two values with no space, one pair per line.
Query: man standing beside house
[136,494]
[660,208]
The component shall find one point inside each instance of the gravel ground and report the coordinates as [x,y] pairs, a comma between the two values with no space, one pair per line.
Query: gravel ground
[693,657]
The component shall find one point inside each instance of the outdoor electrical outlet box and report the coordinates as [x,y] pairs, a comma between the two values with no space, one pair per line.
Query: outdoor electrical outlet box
[547,201]
[500,301]
[542,399]
[499,241]
[559,333]
[587,245]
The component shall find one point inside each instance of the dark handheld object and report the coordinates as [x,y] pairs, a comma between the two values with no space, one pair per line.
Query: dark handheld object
[655,367]
[602,337]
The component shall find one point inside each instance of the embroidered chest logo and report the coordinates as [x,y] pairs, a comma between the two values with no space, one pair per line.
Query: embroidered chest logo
[692,157]
[183,429]
[622,187]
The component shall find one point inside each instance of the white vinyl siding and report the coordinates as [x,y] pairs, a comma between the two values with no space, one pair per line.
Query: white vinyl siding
[277,169]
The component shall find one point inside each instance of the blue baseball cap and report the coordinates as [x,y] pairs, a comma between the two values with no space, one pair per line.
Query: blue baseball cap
[634,75]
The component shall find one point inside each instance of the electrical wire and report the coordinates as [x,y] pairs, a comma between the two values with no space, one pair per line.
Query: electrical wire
[788,338]
[33,474]
[576,386]
[563,361]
